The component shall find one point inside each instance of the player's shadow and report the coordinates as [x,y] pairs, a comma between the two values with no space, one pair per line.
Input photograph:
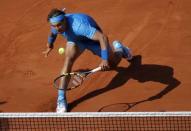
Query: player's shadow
[140,72]
[1,103]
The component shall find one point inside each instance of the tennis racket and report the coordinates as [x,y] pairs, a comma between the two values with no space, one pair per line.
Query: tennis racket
[74,79]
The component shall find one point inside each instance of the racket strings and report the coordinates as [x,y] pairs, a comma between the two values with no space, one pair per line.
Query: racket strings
[75,81]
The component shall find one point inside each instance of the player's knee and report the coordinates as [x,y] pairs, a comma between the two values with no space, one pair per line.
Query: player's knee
[72,53]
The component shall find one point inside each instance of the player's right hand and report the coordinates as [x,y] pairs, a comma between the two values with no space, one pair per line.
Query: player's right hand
[46,52]
[104,65]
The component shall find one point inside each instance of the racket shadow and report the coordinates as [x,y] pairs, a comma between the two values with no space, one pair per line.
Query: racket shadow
[140,72]
[120,107]
[1,103]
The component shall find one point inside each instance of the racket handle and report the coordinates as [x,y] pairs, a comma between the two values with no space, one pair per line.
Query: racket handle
[96,69]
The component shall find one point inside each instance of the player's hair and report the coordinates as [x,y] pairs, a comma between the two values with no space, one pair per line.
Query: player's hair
[55,12]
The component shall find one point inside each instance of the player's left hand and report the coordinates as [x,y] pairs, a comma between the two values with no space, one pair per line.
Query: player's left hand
[46,52]
[104,65]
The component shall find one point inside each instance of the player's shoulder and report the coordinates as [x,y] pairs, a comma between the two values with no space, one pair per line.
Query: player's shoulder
[77,19]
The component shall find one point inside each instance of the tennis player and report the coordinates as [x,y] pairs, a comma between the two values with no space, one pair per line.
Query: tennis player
[81,32]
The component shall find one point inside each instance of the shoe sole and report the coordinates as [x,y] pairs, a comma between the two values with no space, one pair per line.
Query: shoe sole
[128,51]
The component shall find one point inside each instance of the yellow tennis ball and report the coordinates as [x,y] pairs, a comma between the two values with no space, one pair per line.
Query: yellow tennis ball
[61,51]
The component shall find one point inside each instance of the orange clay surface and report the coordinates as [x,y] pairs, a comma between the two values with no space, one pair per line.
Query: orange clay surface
[158,31]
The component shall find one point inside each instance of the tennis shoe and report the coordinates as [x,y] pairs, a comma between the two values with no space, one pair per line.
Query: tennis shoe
[124,51]
[61,108]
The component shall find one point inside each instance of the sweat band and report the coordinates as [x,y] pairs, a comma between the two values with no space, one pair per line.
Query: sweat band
[57,19]
[104,54]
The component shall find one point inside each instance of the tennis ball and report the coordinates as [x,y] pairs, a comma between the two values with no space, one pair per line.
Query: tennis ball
[61,51]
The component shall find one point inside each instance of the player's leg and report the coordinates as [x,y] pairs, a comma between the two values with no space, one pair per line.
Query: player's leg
[71,54]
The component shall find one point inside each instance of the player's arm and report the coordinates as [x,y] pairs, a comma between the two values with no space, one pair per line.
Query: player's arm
[50,44]
[103,40]
[92,33]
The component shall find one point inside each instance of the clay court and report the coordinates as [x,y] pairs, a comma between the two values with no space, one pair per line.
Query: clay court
[159,33]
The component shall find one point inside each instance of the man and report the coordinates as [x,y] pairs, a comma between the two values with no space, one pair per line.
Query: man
[81,32]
